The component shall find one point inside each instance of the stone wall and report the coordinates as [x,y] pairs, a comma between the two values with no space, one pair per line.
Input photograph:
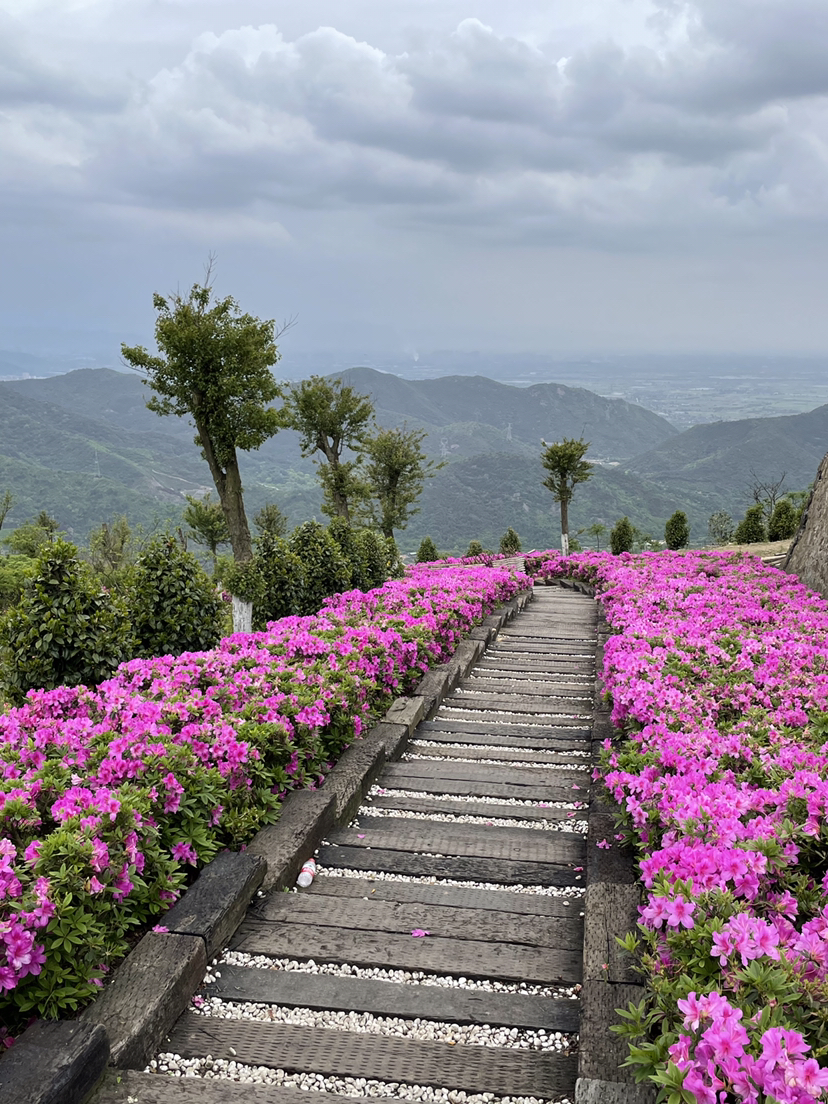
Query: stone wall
[808,554]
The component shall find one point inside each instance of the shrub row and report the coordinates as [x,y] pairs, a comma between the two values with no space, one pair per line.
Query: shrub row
[718,677]
[108,795]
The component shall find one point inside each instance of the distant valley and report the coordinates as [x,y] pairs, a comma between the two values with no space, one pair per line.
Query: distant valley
[83,446]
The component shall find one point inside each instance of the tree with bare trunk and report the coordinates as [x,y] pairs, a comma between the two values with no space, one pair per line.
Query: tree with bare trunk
[564,460]
[214,367]
[332,417]
[766,492]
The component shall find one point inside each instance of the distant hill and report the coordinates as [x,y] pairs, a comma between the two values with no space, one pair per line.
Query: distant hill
[84,447]
[722,456]
[469,415]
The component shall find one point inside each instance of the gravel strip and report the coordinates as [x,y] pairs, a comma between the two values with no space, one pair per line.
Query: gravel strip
[379,791]
[498,748]
[219,1069]
[382,876]
[381,973]
[490,716]
[457,818]
[563,768]
[364,1023]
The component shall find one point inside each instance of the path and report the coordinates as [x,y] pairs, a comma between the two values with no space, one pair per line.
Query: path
[472,838]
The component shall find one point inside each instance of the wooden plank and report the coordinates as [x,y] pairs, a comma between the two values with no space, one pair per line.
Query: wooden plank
[131,1087]
[493,751]
[476,841]
[534,735]
[513,703]
[550,666]
[292,989]
[402,917]
[349,1054]
[479,772]
[448,896]
[458,868]
[462,788]
[507,717]
[485,810]
[527,687]
[558,745]
[433,953]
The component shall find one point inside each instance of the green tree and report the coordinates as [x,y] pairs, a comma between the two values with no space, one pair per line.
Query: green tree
[330,417]
[66,631]
[208,525]
[598,532]
[271,521]
[214,367]
[173,605]
[622,536]
[510,542]
[475,548]
[677,531]
[783,522]
[720,528]
[564,460]
[111,551]
[6,503]
[396,470]
[15,571]
[751,529]
[30,538]
[427,552]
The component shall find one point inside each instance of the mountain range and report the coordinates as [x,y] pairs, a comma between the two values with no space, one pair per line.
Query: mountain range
[83,446]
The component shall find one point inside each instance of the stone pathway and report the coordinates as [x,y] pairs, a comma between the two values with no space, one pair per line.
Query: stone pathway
[438,954]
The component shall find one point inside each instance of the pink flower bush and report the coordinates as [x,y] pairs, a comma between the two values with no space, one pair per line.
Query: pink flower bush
[718,679]
[109,796]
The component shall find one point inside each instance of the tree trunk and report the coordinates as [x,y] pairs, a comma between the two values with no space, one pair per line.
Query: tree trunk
[564,526]
[229,487]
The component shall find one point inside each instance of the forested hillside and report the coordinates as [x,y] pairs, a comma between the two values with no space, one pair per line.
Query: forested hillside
[84,447]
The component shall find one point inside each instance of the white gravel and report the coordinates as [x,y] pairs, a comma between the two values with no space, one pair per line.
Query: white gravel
[527,720]
[217,1068]
[382,876]
[516,802]
[459,818]
[364,1023]
[562,768]
[495,748]
[381,973]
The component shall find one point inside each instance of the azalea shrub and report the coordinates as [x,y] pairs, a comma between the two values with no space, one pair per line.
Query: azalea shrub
[110,795]
[718,679]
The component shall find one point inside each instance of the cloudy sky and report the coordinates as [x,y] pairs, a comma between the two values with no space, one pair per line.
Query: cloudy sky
[543,175]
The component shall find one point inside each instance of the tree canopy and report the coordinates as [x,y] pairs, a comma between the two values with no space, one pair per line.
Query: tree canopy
[396,470]
[564,460]
[214,366]
[331,416]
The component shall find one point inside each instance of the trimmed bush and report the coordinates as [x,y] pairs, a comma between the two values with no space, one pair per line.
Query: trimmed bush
[677,531]
[510,542]
[173,605]
[783,522]
[373,556]
[427,552]
[282,581]
[751,529]
[67,630]
[622,536]
[326,571]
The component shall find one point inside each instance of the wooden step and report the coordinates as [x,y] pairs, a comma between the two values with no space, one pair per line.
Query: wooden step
[131,1087]
[484,810]
[349,1054]
[432,953]
[549,688]
[447,896]
[506,716]
[473,840]
[514,703]
[459,868]
[523,735]
[294,989]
